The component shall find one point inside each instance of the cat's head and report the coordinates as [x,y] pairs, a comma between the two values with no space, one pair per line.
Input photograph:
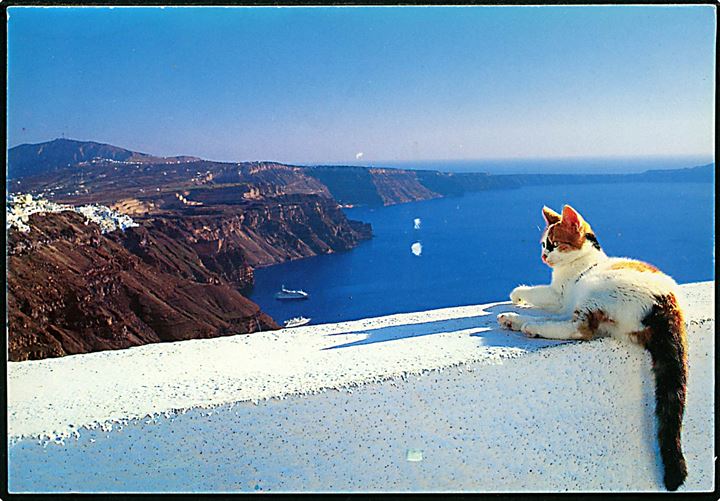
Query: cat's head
[566,238]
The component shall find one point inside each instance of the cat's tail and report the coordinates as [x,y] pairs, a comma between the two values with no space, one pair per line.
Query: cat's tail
[667,346]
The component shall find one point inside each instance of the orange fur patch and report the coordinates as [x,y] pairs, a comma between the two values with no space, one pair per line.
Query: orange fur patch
[674,311]
[634,265]
[560,233]
[589,322]
[641,337]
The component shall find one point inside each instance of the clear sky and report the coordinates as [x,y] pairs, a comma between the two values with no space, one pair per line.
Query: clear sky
[320,85]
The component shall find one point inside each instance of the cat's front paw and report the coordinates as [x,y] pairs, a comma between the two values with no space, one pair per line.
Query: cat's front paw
[519,295]
[530,330]
[509,321]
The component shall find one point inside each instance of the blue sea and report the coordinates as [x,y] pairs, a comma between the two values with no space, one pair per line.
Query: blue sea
[477,247]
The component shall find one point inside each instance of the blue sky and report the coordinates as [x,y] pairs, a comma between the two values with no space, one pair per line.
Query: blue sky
[320,85]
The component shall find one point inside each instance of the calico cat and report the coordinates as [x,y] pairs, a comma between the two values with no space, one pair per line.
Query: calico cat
[592,294]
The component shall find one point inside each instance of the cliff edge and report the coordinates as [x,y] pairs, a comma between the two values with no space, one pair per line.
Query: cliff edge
[178,274]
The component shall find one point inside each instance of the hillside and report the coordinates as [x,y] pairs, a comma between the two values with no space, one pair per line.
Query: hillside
[200,221]
[37,159]
[110,175]
[177,275]
[74,290]
[203,227]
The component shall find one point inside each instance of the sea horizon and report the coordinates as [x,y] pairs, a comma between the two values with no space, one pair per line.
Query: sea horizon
[609,164]
[540,165]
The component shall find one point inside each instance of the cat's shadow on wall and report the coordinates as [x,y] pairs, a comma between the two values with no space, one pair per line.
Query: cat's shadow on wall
[484,327]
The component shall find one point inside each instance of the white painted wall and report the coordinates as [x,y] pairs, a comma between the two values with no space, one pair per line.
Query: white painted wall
[356,400]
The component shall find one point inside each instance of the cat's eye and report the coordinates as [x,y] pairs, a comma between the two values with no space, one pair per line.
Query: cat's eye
[547,244]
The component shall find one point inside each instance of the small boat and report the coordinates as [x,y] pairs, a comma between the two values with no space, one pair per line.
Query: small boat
[297,322]
[291,294]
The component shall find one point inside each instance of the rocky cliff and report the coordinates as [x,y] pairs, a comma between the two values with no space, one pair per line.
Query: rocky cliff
[368,186]
[351,185]
[178,275]
[73,290]
[34,159]
[204,227]
[397,186]
[85,172]
[232,240]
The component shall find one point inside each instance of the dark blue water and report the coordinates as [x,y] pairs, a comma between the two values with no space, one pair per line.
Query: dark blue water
[476,248]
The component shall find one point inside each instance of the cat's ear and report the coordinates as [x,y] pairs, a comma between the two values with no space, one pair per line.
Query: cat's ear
[571,217]
[551,217]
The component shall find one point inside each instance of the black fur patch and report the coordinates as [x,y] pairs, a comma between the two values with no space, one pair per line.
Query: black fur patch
[592,238]
[666,344]
[549,245]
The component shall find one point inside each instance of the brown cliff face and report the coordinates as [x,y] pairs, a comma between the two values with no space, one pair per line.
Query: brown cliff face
[292,227]
[107,182]
[400,186]
[73,290]
[231,240]
[177,276]
[85,172]
[204,227]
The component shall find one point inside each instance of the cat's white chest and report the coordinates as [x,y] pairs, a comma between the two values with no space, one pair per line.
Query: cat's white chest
[570,287]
